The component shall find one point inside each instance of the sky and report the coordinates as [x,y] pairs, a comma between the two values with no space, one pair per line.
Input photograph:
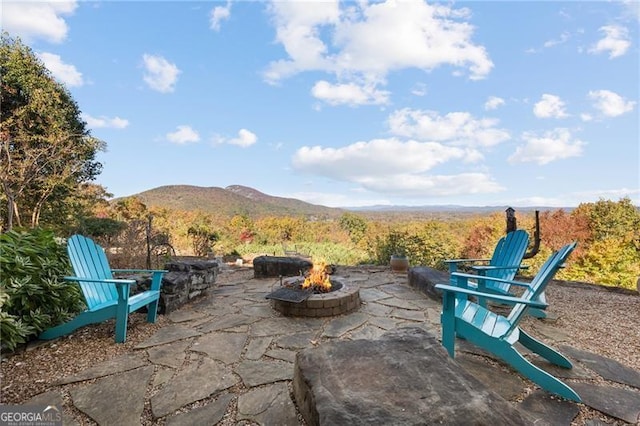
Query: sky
[350,104]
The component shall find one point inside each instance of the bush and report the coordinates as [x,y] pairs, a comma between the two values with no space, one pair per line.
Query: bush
[33,296]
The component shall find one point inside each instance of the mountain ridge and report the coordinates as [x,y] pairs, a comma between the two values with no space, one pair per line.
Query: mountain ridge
[240,199]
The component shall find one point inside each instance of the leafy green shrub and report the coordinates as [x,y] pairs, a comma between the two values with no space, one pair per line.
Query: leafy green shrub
[33,296]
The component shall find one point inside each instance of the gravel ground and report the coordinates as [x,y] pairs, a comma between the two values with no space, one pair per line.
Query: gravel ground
[599,320]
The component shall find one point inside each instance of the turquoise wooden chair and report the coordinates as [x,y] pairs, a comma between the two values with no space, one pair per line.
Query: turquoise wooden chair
[497,334]
[104,296]
[505,263]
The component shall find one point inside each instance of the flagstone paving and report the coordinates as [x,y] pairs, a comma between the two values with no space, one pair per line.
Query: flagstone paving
[228,358]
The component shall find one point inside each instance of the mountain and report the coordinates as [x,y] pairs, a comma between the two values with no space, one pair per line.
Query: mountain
[232,200]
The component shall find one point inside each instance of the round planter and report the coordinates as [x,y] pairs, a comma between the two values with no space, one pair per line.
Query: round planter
[399,263]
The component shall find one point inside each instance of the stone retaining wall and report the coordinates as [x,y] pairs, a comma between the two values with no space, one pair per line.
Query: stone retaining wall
[185,280]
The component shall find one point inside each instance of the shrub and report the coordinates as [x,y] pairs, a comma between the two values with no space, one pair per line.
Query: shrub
[33,296]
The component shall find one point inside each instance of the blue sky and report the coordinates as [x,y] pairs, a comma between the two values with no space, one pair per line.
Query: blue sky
[354,103]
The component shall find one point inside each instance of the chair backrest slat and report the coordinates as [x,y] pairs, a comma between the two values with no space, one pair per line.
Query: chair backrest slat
[541,280]
[90,261]
[509,251]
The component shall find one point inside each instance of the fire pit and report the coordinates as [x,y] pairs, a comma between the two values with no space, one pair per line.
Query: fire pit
[316,295]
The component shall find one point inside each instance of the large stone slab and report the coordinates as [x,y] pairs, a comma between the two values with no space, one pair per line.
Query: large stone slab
[403,378]
[172,354]
[99,399]
[424,279]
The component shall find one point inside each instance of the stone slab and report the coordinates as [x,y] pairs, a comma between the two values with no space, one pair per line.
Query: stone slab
[98,400]
[620,403]
[606,367]
[225,347]
[226,322]
[503,382]
[171,354]
[357,382]
[168,334]
[269,405]
[118,364]
[297,340]
[257,347]
[547,410]
[342,324]
[210,414]
[197,381]
[255,373]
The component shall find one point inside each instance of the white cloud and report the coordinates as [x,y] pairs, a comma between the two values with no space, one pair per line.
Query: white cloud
[573,199]
[586,117]
[433,186]
[393,167]
[32,20]
[349,94]
[550,106]
[493,102]
[183,135]
[245,139]
[219,14]
[363,42]
[420,89]
[610,103]
[553,145]
[456,128]
[105,122]
[554,42]
[65,73]
[616,41]
[361,160]
[336,199]
[160,74]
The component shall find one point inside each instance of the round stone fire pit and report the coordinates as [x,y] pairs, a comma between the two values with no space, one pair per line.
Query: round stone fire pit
[344,299]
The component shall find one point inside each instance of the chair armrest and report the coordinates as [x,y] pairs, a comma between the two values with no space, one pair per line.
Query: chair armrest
[106,281]
[466,260]
[491,267]
[505,299]
[498,280]
[139,270]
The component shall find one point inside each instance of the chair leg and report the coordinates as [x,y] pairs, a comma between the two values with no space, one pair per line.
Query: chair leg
[448,319]
[122,313]
[152,311]
[542,378]
[544,351]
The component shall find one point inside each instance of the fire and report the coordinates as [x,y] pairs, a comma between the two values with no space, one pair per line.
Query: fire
[317,278]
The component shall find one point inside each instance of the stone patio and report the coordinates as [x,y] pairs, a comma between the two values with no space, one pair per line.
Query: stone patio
[228,358]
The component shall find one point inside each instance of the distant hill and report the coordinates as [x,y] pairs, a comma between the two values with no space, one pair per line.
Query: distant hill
[232,200]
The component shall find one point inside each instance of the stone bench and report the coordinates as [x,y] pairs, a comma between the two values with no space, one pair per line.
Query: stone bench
[424,279]
[279,266]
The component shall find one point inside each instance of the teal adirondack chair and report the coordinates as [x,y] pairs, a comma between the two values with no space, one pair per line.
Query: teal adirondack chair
[105,296]
[497,334]
[504,264]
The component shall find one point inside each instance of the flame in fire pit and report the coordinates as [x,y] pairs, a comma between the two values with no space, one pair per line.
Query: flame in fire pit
[318,278]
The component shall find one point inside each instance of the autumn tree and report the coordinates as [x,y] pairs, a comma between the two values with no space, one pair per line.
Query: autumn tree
[355,225]
[46,151]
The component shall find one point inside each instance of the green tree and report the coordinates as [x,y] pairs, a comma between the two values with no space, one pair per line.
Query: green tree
[355,225]
[46,151]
